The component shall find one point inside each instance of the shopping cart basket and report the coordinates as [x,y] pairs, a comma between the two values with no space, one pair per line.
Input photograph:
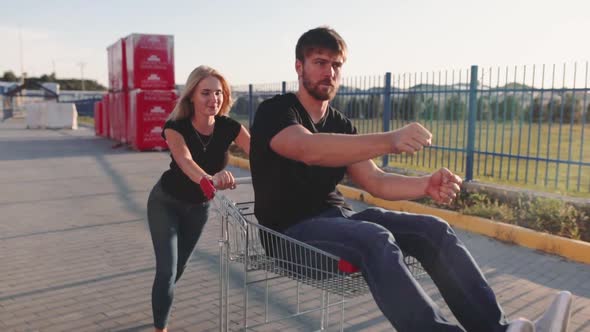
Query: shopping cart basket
[270,259]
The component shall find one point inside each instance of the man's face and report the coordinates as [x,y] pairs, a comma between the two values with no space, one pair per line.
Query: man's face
[320,73]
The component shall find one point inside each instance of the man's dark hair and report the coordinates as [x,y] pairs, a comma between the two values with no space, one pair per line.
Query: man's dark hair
[320,38]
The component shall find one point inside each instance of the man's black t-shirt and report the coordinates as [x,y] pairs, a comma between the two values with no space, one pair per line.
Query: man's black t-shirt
[287,191]
[213,160]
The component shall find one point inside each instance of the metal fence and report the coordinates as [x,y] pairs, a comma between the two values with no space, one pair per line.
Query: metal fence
[518,125]
[84,107]
[84,100]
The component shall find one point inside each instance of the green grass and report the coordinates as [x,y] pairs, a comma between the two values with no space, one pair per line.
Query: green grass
[537,213]
[533,140]
[87,120]
[542,141]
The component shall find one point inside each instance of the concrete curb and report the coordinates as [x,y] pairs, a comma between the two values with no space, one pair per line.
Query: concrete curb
[574,250]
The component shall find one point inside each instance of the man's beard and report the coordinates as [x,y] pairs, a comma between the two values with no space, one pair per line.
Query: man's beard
[320,93]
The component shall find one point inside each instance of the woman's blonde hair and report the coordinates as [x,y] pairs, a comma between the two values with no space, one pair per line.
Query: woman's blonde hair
[184,107]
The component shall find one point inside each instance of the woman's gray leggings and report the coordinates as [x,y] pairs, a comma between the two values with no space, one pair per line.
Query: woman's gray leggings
[175,227]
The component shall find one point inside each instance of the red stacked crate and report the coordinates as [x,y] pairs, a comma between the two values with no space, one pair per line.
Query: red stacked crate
[148,110]
[113,124]
[120,113]
[98,131]
[150,61]
[118,91]
[106,107]
[105,116]
[116,115]
[150,79]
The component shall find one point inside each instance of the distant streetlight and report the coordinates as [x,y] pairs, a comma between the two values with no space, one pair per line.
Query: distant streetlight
[22,66]
[82,64]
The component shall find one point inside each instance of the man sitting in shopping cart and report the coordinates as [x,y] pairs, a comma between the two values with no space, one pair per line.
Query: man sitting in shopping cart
[301,148]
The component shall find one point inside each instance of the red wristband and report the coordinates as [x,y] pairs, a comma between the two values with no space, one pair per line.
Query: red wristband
[207,188]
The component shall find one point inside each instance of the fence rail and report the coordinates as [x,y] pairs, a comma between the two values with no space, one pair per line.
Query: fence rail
[518,125]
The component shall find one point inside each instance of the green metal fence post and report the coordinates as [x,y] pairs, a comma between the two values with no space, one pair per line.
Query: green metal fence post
[471,124]
[386,111]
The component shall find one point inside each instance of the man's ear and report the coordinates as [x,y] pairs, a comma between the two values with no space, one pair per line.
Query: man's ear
[299,67]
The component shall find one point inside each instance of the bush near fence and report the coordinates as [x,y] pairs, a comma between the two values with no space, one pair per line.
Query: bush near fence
[553,216]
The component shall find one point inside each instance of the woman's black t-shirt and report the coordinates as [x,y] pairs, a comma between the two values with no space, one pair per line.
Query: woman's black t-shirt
[212,159]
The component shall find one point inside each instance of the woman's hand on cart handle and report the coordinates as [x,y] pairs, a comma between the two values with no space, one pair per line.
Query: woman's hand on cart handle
[222,181]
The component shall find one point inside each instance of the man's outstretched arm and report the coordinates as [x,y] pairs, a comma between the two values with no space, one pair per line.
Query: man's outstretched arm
[337,150]
[442,185]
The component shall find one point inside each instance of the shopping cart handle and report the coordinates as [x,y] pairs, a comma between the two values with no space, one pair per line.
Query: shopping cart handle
[208,186]
[243,180]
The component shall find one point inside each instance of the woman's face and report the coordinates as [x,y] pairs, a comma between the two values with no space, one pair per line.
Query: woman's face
[207,97]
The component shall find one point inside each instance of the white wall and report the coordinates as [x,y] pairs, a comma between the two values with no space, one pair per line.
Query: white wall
[51,115]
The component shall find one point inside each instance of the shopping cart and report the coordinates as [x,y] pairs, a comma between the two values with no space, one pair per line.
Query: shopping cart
[312,285]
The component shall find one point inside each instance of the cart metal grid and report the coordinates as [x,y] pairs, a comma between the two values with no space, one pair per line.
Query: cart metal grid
[266,255]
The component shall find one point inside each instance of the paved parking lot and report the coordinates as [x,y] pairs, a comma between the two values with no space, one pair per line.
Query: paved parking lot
[75,252]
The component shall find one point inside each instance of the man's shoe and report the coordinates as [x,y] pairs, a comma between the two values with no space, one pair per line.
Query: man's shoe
[521,325]
[556,318]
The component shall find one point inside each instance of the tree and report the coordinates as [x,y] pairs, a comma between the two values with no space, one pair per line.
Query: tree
[65,84]
[241,106]
[357,106]
[455,108]
[48,78]
[9,76]
[69,83]
[515,86]
[375,106]
[507,109]
[573,109]
[553,108]
[512,107]
[483,109]
[407,107]
[431,109]
[339,103]
[537,112]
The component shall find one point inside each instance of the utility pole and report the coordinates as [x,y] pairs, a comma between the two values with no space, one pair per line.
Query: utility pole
[82,64]
[22,66]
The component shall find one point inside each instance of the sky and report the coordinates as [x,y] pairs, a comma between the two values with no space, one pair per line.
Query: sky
[253,41]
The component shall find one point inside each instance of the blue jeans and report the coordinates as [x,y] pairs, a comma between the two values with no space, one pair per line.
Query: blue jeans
[175,227]
[374,239]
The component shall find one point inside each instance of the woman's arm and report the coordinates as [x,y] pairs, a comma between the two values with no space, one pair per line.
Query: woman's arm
[243,140]
[183,157]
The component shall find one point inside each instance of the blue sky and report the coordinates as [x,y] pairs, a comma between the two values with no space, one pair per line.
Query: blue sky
[253,41]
